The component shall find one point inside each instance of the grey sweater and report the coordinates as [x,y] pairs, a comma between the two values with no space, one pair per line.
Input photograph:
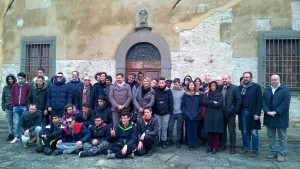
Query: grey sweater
[177,95]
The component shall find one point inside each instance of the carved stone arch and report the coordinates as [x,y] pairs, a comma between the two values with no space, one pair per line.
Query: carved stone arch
[148,37]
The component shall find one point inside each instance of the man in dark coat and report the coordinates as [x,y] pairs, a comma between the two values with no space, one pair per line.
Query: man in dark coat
[85,94]
[100,87]
[276,103]
[85,116]
[58,95]
[250,113]
[39,95]
[231,106]
[162,109]
[74,85]
[104,109]
[6,106]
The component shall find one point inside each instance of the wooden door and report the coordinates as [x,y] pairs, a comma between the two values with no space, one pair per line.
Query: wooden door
[150,69]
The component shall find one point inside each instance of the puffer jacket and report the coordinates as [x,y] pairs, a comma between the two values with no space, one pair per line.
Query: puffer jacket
[19,94]
[38,96]
[59,95]
[191,106]
[163,104]
[78,133]
[6,93]
[30,121]
[74,86]
[126,135]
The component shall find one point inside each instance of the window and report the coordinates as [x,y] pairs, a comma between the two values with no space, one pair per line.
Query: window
[38,52]
[279,53]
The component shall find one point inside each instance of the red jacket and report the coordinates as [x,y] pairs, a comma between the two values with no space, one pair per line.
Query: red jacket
[19,94]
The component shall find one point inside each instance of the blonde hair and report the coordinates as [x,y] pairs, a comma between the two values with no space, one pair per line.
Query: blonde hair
[148,79]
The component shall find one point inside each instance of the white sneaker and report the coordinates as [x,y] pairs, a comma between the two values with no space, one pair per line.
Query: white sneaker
[15,140]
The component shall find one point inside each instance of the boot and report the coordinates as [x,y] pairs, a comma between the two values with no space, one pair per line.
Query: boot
[164,145]
[33,140]
[10,137]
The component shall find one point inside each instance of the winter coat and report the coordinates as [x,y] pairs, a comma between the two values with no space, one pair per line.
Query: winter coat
[30,121]
[163,103]
[53,131]
[120,96]
[59,95]
[214,118]
[255,106]
[233,100]
[89,119]
[19,94]
[280,103]
[126,135]
[74,86]
[149,129]
[142,102]
[38,96]
[101,133]
[78,100]
[6,93]
[105,112]
[191,106]
[78,133]
[98,90]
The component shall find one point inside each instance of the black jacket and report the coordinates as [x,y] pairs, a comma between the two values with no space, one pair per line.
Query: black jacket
[53,131]
[89,120]
[38,96]
[149,129]
[30,121]
[74,86]
[105,111]
[100,89]
[101,133]
[6,93]
[233,100]
[163,103]
[78,100]
[126,135]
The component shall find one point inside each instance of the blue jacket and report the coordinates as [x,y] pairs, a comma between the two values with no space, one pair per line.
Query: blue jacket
[280,103]
[59,95]
[78,133]
[191,107]
[74,86]
[126,135]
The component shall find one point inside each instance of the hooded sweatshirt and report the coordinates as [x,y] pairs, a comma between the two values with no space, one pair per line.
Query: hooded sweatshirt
[6,93]
[19,94]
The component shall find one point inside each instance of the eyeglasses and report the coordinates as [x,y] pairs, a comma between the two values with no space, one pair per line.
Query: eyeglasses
[68,122]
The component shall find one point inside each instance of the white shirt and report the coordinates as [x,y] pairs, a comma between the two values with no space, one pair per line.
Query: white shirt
[274,89]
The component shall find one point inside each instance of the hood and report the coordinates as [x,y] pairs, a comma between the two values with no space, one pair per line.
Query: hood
[63,81]
[14,78]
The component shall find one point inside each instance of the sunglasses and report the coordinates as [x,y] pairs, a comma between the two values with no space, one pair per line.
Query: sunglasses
[68,122]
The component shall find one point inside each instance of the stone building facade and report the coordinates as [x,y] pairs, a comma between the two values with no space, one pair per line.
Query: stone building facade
[193,37]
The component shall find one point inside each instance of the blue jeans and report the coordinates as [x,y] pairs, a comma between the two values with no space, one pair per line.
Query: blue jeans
[191,126]
[173,118]
[18,110]
[247,131]
[10,121]
[282,141]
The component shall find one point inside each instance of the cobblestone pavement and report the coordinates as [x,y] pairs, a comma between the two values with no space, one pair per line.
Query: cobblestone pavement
[14,156]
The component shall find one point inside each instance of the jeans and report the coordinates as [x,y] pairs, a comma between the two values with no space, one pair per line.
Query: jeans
[230,122]
[282,135]
[68,148]
[25,139]
[173,118]
[10,121]
[191,126]
[18,110]
[162,126]
[247,131]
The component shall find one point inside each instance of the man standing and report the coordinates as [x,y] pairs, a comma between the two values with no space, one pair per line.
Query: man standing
[18,101]
[30,125]
[231,106]
[120,98]
[276,103]
[251,110]
[100,87]
[6,105]
[41,72]
[58,95]
[85,94]
[163,108]
[74,85]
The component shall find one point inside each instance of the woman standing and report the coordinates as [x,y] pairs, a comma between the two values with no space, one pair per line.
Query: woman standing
[144,97]
[198,84]
[190,106]
[213,118]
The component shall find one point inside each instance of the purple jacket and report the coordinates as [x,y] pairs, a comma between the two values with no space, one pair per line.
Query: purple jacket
[19,94]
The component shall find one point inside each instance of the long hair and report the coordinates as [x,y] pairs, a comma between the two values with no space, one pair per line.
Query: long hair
[188,90]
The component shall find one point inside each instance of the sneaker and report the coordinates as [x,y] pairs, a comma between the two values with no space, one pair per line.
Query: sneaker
[83,154]
[39,149]
[25,145]
[111,156]
[280,158]
[33,140]
[131,155]
[253,154]
[109,151]
[15,140]
[164,145]
[150,152]
[48,151]
[271,156]
[244,151]
[58,152]
[10,137]
[213,151]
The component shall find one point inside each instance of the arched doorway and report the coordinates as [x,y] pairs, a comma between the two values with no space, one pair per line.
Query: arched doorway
[143,57]
[144,41]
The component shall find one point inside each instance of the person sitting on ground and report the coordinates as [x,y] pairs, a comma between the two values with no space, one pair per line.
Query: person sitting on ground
[30,128]
[85,116]
[50,135]
[74,136]
[98,143]
[125,135]
[147,132]
[104,109]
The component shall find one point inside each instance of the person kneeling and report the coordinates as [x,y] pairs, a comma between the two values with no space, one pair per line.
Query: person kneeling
[74,135]
[147,131]
[99,138]
[125,136]
[50,135]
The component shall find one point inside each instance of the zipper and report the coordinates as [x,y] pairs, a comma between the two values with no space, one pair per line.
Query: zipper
[20,95]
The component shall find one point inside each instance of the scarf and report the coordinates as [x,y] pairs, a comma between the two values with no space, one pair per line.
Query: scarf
[120,85]
[245,86]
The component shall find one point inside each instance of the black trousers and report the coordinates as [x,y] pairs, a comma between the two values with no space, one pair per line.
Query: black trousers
[147,145]
[231,124]
[117,149]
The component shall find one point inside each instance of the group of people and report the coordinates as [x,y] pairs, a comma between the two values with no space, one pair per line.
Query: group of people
[132,116]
